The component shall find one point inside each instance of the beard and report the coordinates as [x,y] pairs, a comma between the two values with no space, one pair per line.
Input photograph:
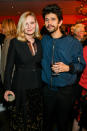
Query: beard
[54,29]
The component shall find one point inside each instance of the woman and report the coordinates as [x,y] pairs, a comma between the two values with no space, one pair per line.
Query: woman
[83,86]
[9,29]
[24,85]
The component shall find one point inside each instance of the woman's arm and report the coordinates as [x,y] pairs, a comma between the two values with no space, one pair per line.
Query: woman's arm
[9,65]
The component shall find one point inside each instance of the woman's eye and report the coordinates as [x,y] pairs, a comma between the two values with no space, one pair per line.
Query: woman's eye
[32,22]
[26,24]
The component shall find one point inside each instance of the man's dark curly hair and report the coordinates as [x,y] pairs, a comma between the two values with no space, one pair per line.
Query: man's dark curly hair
[52,8]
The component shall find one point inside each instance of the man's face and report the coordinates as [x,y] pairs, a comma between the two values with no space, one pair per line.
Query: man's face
[52,23]
[81,33]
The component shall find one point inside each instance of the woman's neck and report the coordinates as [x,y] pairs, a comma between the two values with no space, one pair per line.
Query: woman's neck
[30,38]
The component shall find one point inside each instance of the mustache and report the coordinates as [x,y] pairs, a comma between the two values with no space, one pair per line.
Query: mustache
[49,26]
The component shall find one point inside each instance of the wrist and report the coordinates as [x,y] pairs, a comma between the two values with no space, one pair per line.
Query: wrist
[71,68]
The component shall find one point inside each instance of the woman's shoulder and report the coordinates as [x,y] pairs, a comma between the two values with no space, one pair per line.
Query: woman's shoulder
[15,41]
[37,40]
[8,39]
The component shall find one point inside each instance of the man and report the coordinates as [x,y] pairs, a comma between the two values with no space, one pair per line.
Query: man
[79,31]
[62,59]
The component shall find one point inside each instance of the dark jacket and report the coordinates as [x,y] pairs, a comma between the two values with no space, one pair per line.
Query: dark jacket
[27,73]
[67,50]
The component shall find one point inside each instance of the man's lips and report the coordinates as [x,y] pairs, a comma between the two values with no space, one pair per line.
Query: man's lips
[50,26]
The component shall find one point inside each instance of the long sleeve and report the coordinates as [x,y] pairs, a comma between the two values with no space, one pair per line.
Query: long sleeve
[83,78]
[9,65]
[78,61]
[85,54]
[67,50]
[4,52]
[39,50]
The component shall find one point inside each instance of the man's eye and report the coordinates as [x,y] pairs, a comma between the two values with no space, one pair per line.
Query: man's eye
[53,19]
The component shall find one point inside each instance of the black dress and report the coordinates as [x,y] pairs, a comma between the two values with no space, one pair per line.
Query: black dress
[25,113]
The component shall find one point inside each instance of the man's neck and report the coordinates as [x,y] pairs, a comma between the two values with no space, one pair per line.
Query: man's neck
[78,38]
[56,34]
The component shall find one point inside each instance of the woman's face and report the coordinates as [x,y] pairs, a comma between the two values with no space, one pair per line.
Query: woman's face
[29,25]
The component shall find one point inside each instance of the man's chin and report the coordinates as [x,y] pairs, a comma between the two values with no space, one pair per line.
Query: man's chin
[51,31]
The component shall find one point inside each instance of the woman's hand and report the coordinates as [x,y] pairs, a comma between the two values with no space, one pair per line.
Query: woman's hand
[8,93]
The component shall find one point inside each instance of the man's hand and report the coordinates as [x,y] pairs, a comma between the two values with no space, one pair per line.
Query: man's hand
[60,67]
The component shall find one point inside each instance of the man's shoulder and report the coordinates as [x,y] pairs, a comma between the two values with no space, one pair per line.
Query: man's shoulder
[72,40]
[69,37]
[46,37]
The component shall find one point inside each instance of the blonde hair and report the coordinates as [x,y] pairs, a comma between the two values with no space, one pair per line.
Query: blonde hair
[20,27]
[78,28]
[9,26]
